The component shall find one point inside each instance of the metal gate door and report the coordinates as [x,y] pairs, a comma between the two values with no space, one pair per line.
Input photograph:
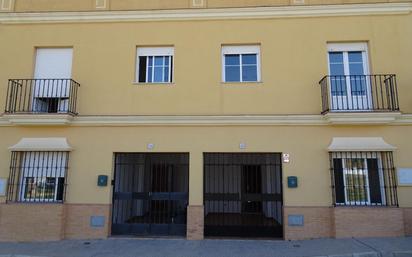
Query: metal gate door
[150,194]
[243,194]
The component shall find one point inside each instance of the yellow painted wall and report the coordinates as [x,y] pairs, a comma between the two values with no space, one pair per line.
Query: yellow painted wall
[52,5]
[89,5]
[252,3]
[94,148]
[294,59]
[147,5]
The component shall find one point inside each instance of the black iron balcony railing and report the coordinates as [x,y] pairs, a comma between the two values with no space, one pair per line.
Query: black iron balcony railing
[359,93]
[36,96]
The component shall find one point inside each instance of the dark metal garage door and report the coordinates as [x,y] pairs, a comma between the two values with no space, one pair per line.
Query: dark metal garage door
[243,194]
[150,194]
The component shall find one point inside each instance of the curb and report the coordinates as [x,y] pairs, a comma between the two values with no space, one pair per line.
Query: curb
[19,255]
[364,254]
[402,254]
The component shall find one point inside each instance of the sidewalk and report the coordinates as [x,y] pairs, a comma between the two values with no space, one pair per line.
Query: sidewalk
[369,247]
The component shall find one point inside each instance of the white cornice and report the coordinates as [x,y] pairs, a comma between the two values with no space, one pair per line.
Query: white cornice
[404,119]
[241,120]
[209,14]
[207,120]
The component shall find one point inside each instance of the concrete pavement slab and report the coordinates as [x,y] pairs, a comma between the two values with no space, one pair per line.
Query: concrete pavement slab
[398,244]
[117,247]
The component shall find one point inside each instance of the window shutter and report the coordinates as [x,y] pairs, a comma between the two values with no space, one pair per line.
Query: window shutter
[142,69]
[374,181]
[339,184]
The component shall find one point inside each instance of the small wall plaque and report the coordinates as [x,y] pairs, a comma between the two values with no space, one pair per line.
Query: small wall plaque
[405,176]
[97,221]
[295,220]
[3,186]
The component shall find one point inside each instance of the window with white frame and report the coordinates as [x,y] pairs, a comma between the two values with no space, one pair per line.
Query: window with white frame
[241,63]
[348,69]
[363,178]
[154,64]
[37,176]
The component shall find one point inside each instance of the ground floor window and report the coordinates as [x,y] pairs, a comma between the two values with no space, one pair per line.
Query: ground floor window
[363,178]
[37,176]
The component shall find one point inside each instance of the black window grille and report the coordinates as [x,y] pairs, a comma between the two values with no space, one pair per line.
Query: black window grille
[363,179]
[37,176]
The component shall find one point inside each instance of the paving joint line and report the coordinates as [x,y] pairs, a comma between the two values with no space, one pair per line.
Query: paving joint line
[369,246]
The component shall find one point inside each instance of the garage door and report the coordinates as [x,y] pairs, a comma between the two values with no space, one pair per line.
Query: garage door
[243,195]
[150,194]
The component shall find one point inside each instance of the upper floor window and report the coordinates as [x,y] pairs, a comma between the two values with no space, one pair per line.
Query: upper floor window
[38,176]
[154,64]
[349,80]
[241,63]
[363,178]
[52,87]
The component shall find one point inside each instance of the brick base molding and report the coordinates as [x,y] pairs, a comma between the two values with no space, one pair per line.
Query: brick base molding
[77,223]
[31,222]
[344,222]
[368,222]
[407,217]
[51,222]
[317,223]
[195,222]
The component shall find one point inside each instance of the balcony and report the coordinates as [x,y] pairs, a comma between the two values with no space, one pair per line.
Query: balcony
[54,101]
[360,98]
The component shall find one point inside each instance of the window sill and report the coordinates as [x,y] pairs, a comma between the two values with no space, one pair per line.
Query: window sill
[41,119]
[404,185]
[366,117]
[153,84]
[256,83]
[35,203]
[363,206]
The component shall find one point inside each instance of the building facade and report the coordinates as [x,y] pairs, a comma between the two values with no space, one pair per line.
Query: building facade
[288,119]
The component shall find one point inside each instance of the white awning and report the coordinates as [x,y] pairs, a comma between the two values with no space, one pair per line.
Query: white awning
[42,144]
[346,144]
